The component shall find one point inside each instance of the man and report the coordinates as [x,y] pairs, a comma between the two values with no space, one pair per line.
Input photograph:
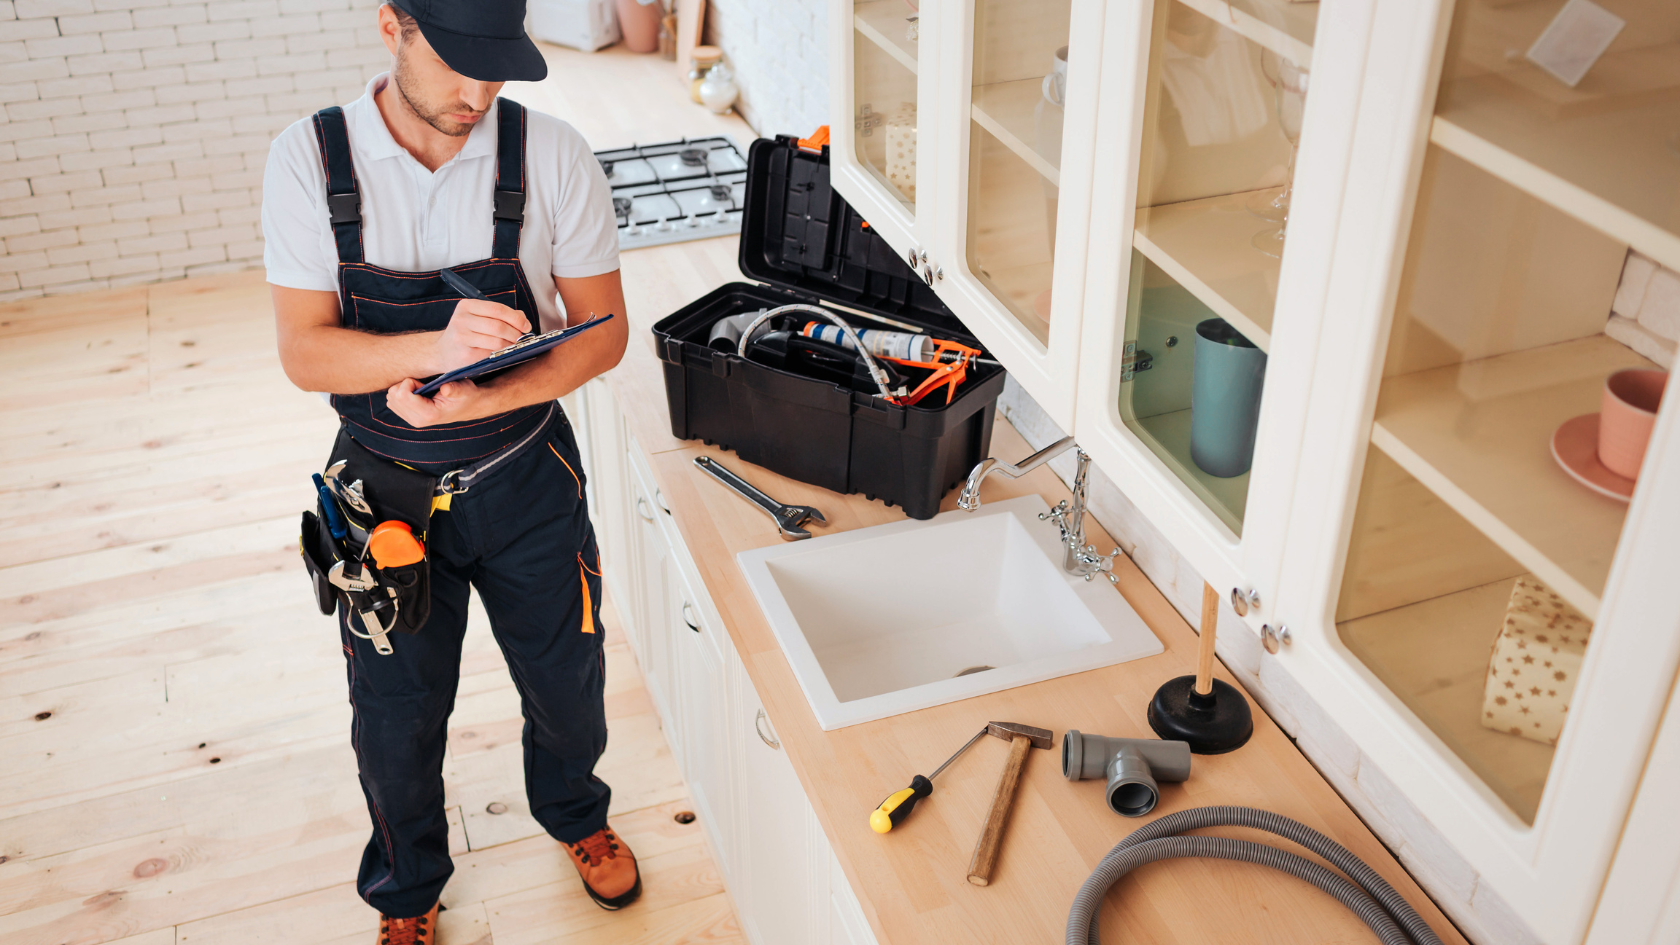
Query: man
[361,208]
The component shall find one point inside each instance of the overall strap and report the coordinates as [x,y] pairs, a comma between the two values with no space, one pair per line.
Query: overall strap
[344,204]
[510,179]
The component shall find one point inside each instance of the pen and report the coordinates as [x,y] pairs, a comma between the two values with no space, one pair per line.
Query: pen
[466,289]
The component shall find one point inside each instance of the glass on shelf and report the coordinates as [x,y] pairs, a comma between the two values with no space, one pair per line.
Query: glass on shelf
[1576,103]
[1486,525]
[1222,115]
[884,45]
[1015,152]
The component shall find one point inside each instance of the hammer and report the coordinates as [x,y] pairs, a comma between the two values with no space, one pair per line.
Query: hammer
[1021,738]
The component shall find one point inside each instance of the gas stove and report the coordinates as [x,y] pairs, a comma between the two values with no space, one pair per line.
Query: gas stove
[679,190]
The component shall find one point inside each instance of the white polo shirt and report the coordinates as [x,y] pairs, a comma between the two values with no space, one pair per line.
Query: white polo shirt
[416,220]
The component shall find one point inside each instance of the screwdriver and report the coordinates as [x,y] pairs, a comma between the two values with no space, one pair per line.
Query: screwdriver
[899,804]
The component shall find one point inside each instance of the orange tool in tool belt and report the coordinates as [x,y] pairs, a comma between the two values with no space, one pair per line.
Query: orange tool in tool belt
[393,545]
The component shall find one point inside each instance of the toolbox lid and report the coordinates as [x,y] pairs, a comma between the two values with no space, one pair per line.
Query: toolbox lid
[798,234]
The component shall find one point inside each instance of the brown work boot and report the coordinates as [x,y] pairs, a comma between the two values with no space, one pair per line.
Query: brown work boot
[608,869]
[421,930]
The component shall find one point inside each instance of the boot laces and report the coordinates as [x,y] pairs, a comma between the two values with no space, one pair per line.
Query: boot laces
[404,931]
[597,847]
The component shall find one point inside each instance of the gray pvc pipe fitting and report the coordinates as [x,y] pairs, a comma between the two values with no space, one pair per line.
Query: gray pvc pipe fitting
[1131,765]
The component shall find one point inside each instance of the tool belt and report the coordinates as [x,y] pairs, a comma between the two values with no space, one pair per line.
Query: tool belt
[361,491]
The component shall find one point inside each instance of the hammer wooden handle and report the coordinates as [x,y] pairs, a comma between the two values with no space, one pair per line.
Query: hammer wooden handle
[986,851]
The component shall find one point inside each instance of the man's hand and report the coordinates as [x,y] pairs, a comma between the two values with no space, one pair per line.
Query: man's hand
[478,329]
[453,403]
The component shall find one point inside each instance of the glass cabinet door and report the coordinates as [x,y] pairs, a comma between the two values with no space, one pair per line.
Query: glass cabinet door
[1223,106]
[880,155]
[1016,122]
[1514,407]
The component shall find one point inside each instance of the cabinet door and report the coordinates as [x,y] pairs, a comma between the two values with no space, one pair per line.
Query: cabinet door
[1497,637]
[611,503]
[1019,80]
[782,897]
[1201,318]
[882,73]
[846,922]
[703,696]
[652,600]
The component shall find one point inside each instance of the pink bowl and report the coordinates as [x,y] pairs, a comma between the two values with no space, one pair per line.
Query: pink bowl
[1628,411]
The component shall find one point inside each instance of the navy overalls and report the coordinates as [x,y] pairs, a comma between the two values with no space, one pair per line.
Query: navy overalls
[520,535]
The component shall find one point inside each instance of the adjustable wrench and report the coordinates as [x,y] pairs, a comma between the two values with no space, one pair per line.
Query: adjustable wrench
[788,518]
[361,583]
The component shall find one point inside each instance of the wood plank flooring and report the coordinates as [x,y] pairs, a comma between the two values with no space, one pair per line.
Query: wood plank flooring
[174,756]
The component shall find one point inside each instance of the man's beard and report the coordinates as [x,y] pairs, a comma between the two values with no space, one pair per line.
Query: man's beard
[436,117]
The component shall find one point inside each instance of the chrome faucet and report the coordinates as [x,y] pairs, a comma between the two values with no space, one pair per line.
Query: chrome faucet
[1079,558]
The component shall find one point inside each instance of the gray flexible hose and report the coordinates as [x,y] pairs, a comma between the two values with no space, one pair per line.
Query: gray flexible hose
[1387,913]
[875,372]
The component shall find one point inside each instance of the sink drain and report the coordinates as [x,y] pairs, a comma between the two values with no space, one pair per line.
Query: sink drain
[973,669]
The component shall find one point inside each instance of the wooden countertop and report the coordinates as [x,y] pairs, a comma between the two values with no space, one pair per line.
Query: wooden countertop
[912,882]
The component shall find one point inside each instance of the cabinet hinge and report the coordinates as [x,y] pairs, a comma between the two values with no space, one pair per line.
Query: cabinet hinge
[867,121]
[1134,361]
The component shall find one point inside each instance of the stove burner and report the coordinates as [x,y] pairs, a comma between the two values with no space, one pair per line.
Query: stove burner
[676,190]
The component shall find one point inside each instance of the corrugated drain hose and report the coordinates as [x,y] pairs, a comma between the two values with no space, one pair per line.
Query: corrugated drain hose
[1383,909]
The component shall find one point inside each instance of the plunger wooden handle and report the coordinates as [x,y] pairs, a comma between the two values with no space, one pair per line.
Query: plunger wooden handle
[1204,650]
[986,851]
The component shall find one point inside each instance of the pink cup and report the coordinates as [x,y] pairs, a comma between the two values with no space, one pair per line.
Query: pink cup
[1627,413]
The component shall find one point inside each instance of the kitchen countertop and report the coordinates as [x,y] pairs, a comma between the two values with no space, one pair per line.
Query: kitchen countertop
[912,882]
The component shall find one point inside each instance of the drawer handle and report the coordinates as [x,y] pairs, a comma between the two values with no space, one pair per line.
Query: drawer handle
[642,509]
[693,622]
[758,726]
[659,500]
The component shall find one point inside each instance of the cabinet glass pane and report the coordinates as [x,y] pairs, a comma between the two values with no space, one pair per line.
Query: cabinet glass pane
[1579,103]
[1015,151]
[1487,517]
[1224,100]
[884,42]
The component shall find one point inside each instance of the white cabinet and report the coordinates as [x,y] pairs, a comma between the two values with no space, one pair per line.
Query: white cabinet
[1338,275]
[776,862]
[954,153]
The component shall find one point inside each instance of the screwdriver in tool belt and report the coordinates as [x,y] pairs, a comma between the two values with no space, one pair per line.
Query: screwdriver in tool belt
[899,804]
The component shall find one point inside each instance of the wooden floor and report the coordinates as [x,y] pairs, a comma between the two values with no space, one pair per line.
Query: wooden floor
[174,757]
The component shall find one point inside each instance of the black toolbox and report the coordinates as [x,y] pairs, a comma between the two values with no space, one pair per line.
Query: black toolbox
[806,244]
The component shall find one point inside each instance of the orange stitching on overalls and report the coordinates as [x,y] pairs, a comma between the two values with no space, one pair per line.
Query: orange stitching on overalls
[569,469]
[492,295]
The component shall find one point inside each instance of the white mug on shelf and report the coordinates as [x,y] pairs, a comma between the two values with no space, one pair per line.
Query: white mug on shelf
[1055,83]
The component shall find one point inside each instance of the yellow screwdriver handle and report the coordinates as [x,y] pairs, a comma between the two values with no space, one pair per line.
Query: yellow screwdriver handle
[899,804]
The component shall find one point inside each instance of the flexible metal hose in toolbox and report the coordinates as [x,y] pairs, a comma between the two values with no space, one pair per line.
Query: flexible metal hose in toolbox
[1383,909]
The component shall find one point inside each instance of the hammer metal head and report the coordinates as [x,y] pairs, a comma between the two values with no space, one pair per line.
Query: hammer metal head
[1041,737]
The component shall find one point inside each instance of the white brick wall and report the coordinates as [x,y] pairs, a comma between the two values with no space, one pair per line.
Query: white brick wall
[136,131]
[779,51]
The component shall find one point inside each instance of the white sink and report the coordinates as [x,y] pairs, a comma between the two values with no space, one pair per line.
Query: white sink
[882,620]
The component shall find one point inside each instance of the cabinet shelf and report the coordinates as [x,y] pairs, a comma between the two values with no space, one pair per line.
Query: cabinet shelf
[1205,245]
[884,23]
[1283,27]
[1478,435]
[1608,162]
[1007,110]
[1433,655]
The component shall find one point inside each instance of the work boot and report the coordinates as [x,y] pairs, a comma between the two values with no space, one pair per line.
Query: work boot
[608,869]
[421,930]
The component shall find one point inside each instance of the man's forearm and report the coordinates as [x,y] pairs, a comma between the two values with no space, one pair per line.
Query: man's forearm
[344,361]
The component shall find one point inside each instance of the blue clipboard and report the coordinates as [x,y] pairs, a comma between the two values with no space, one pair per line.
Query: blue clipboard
[517,353]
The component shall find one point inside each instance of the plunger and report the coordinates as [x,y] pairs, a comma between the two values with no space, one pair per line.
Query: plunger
[1208,713]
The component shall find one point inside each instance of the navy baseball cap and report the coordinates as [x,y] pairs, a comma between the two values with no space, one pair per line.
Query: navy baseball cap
[480,39]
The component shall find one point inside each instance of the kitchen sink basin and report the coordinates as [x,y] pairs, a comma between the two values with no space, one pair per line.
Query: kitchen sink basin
[903,616]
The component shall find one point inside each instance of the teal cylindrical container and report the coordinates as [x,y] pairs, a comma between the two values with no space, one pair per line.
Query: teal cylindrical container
[1225,399]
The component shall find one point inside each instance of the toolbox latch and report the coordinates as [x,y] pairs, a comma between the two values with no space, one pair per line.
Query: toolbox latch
[722,363]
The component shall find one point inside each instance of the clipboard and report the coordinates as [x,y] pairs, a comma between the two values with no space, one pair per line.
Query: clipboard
[517,353]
